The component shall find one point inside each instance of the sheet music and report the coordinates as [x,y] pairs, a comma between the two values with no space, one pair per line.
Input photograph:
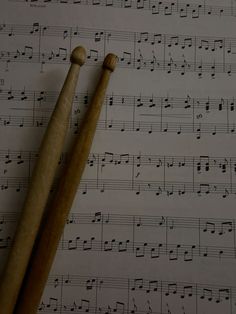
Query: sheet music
[152,228]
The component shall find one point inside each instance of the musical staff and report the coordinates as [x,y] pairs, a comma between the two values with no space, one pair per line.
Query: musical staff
[214,226]
[117,233]
[140,114]
[140,51]
[123,295]
[164,188]
[155,7]
[170,175]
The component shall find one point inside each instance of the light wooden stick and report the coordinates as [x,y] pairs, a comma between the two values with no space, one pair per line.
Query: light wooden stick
[55,219]
[41,182]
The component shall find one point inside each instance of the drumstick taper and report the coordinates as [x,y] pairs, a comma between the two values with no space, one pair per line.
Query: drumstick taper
[52,228]
[41,183]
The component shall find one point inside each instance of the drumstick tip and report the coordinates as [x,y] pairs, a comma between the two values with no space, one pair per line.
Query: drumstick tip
[78,55]
[110,62]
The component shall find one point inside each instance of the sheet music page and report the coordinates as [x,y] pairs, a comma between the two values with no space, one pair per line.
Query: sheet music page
[152,228]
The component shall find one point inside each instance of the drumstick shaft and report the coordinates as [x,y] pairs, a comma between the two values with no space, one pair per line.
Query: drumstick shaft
[41,183]
[55,219]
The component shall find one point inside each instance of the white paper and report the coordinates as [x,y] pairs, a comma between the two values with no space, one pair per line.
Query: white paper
[152,228]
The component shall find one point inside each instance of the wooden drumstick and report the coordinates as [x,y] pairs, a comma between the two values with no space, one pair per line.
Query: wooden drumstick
[41,183]
[52,228]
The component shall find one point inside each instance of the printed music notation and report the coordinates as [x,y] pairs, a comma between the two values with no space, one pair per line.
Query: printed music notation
[137,235]
[141,51]
[138,295]
[161,175]
[182,9]
[126,113]
[183,51]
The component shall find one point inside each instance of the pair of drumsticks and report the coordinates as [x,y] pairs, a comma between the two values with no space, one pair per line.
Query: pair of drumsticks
[36,240]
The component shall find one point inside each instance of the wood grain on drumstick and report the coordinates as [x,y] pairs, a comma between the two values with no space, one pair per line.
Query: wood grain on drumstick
[41,183]
[52,228]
